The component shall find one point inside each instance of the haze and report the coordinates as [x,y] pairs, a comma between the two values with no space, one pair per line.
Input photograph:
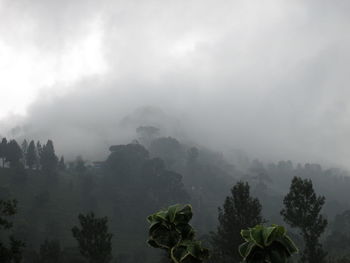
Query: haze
[266,77]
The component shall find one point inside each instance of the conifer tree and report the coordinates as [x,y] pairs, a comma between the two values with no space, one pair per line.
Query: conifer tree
[39,150]
[50,252]
[24,147]
[61,164]
[240,211]
[3,151]
[302,209]
[48,158]
[31,157]
[14,153]
[93,238]
[11,251]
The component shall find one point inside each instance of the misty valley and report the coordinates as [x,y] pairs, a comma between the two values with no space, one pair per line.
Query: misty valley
[160,199]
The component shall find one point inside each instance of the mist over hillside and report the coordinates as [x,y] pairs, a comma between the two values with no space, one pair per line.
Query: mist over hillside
[269,78]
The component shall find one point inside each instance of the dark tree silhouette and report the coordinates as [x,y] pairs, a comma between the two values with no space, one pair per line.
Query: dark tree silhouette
[31,157]
[93,238]
[61,164]
[39,151]
[12,252]
[14,153]
[3,151]
[240,211]
[50,252]
[302,209]
[48,158]
[24,147]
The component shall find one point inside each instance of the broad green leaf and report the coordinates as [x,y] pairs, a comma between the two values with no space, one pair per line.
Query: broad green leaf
[172,210]
[256,234]
[245,249]
[245,233]
[267,232]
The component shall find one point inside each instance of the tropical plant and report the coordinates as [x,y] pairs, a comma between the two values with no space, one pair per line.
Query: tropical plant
[266,245]
[170,230]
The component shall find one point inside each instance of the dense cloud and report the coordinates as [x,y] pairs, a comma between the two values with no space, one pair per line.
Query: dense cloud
[267,77]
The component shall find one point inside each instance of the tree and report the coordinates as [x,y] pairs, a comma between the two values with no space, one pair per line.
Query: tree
[266,245]
[31,157]
[13,253]
[93,238]
[302,209]
[61,164]
[240,211]
[24,147]
[50,252]
[39,151]
[48,158]
[14,153]
[80,165]
[3,151]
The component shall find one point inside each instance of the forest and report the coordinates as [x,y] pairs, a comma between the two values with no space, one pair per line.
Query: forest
[53,210]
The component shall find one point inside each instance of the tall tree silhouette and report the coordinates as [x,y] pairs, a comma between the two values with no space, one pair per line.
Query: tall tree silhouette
[48,158]
[93,238]
[3,151]
[31,157]
[14,153]
[11,251]
[240,211]
[302,209]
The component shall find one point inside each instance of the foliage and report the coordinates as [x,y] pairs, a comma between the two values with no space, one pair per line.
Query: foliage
[240,211]
[12,252]
[93,238]
[50,252]
[48,158]
[302,210]
[170,230]
[13,153]
[3,151]
[31,157]
[266,245]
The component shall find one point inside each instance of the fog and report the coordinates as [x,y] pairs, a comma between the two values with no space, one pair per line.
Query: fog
[265,77]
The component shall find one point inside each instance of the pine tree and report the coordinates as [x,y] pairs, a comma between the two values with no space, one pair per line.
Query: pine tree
[240,211]
[3,151]
[39,150]
[61,164]
[14,153]
[93,238]
[50,252]
[10,252]
[302,209]
[31,157]
[48,158]
[24,147]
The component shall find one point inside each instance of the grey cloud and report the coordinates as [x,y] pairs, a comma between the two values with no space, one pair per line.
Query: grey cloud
[269,78]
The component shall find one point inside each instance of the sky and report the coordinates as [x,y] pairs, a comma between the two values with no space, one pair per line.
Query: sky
[265,77]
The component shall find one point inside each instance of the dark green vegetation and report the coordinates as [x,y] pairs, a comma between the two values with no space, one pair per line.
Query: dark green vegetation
[239,211]
[302,210]
[266,245]
[93,238]
[11,249]
[170,230]
[153,173]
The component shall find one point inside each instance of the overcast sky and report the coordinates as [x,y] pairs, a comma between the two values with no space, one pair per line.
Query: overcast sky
[267,77]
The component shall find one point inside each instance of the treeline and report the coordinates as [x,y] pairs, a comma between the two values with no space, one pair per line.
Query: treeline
[30,155]
[151,173]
